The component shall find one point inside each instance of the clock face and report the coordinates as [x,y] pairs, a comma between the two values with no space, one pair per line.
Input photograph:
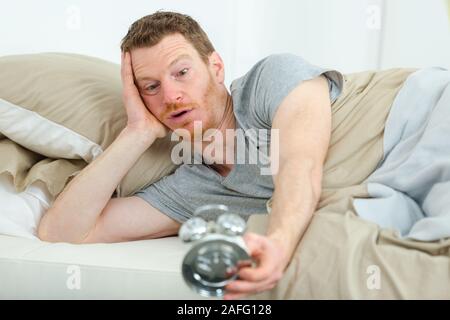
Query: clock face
[211,265]
[215,266]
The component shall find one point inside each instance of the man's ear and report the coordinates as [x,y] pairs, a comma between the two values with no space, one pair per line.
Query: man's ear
[217,67]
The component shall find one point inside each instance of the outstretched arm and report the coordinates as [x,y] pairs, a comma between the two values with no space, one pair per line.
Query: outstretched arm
[304,123]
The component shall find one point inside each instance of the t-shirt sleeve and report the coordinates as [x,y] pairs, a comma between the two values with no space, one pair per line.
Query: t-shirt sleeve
[271,80]
[166,196]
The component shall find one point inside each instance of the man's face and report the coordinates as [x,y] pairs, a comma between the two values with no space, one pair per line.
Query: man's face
[177,86]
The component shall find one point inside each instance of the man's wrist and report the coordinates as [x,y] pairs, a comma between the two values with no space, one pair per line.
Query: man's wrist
[142,137]
[284,245]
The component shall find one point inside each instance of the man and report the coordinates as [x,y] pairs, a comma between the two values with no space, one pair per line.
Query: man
[173,78]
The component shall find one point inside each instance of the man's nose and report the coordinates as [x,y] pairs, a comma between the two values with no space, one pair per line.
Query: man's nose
[172,94]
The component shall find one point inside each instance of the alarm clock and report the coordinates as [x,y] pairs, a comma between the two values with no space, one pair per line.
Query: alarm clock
[217,252]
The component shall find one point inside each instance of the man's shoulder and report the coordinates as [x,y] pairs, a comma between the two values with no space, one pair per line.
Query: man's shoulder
[267,66]
[277,59]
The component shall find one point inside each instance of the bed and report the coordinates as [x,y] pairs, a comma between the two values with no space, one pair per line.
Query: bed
[342,255]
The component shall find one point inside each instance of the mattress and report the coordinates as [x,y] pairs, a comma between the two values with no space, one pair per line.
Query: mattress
[33,269]
[148,269]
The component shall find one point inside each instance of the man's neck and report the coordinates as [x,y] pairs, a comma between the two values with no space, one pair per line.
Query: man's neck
[228,122]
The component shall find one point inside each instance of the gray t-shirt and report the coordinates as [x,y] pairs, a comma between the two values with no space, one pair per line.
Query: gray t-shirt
[245,190]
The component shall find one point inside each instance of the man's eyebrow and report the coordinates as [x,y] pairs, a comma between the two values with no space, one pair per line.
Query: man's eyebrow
[177,59]
[143,79]
[181,57]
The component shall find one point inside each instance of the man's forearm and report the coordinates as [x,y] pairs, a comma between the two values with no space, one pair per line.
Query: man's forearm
[76,210]
[297,191]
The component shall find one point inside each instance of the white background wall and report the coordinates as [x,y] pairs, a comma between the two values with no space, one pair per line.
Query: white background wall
[350,35]
[417,33]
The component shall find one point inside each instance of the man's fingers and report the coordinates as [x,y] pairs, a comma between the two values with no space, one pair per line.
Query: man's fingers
[122,67]
[234,296]
[239,289]
[127,71]
[244,263]
[130,91]
[259,249]
[265,270]
[254,243]
[262,277]
[240,286]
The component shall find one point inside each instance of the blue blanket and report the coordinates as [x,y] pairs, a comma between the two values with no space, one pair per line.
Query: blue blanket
[410,189]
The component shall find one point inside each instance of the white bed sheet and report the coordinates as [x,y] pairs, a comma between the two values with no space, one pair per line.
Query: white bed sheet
[20,212]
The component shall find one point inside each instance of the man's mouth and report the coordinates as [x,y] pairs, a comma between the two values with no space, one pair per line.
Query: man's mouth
[179,114]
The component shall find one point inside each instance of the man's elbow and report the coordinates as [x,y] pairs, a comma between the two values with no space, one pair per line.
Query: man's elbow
[44,233]
[49,230]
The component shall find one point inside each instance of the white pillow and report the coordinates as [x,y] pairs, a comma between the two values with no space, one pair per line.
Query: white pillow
[21,212]
[44,136]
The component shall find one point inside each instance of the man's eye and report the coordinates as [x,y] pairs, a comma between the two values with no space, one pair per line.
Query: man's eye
[152,87]
[183,72]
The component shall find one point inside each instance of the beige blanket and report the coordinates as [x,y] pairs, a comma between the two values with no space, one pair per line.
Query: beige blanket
[27,167]
[342,256]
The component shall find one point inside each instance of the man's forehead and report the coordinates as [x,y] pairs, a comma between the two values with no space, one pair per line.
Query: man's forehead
[146,66]
[182,56]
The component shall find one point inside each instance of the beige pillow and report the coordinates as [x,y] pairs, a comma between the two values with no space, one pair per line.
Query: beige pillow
[69,106]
